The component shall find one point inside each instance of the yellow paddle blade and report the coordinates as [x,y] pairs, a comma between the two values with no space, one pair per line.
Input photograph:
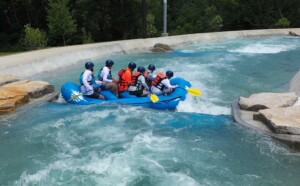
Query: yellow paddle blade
[194,91]
[154,98]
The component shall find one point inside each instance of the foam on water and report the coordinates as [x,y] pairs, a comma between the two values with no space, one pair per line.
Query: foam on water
[106,168]
[298,102]
[261,48]
[185,51]
[192,104]
[201,77]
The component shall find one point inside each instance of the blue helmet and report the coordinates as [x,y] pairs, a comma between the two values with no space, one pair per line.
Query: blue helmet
[89,65]
[151,67]
[109,63]
[169,73]
[132,65]
[141,69]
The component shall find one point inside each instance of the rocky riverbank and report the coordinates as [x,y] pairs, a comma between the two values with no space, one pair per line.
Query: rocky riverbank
[15,92]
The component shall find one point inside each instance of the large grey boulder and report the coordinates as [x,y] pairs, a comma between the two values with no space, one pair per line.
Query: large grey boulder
[245,118]
[281,120]
[267,100]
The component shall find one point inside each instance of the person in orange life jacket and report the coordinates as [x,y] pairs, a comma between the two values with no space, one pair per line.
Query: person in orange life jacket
[105,76]
[138,85]
[149,74]
[125,76]
[161,84]
[89,86]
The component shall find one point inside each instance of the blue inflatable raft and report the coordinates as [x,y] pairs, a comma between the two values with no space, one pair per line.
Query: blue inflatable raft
[71,93]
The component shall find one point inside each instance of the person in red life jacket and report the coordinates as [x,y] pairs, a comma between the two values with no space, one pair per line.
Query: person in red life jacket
[106,76]
[138,85]
[89,86]
[149,74]
[125,76]
[161,84]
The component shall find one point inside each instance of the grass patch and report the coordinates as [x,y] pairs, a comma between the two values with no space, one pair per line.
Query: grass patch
[9,53]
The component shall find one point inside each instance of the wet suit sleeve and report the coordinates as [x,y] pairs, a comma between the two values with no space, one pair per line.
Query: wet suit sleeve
[85,78]
[143,82]
[105,74]
[167,83]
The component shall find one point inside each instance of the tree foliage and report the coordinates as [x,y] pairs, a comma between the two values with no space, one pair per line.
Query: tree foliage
[151,29]
[34,38]
[85,21]
[60,21]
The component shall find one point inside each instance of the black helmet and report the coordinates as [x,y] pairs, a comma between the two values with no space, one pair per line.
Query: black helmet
[132,65]
[169,74]
[151,67]
[141,69]
[89,65]
[109,63]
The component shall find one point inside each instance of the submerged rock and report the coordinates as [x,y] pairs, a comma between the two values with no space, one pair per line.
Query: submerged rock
[267,100]
[159,47]
[293,34]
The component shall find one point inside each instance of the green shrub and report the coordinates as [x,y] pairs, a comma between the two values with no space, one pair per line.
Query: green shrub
[151,29]
[34,37]
[187,28]
[216,23]
[86,36]
[282,23]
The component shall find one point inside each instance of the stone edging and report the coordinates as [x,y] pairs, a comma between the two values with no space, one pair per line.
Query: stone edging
[15,92]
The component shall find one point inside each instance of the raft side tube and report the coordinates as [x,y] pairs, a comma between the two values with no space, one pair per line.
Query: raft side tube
[71,93]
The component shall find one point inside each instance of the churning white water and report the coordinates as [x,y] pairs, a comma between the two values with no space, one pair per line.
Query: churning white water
[198,144]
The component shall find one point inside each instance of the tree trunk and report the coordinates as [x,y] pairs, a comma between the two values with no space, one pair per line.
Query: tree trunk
[279,8]
[64,39]
[8,21]
[28,16]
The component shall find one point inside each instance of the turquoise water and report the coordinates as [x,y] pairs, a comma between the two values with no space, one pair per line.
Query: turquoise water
[198,144]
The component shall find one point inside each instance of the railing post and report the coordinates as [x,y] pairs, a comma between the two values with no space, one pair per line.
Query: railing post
[165,33]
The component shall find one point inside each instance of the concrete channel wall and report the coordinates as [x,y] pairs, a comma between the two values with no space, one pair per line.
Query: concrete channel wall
[295,84]
[29,63]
